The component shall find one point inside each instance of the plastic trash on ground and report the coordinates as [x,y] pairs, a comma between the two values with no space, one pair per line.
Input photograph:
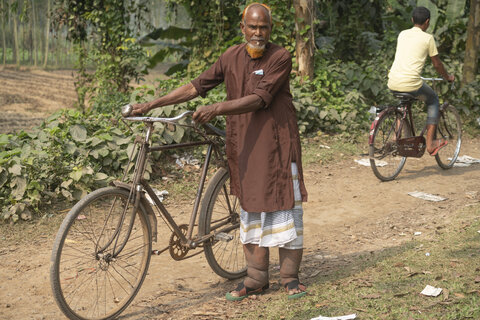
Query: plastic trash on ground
[160,195]
[366,162]
[465,161]
[426,196]
[347,317]
[431,291]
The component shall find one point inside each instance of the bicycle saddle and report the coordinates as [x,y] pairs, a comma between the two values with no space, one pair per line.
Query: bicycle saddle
[404,96]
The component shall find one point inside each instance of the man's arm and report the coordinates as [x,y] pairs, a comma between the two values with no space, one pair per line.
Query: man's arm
[184,93]
[238,106]
[437,63]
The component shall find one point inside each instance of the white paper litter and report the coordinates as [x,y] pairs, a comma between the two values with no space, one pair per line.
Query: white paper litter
[417,233]
[431,291]
[366,162]
[465,161]
[347,317]
[426,196]
[160,195]
[186,160]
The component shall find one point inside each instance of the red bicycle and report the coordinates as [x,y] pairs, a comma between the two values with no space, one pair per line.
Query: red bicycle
[393,137]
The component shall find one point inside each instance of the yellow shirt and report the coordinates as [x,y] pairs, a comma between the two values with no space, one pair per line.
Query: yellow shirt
[413,46]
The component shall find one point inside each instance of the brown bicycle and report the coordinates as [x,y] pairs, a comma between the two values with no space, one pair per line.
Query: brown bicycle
[102,250]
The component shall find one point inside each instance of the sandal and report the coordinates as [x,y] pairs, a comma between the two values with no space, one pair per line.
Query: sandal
[295,284]
[441,143]
[244,292]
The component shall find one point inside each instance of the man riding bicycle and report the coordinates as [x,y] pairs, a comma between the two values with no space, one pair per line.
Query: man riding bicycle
[413,46]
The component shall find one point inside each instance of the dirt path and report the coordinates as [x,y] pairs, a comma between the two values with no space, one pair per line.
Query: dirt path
[350,213]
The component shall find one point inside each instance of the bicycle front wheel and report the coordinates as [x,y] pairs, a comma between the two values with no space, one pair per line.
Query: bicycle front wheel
[220,216]
[450,129]
[100,255]
[385,161]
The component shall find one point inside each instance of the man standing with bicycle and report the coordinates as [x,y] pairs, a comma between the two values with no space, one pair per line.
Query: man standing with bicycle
[413,47]
[263,149]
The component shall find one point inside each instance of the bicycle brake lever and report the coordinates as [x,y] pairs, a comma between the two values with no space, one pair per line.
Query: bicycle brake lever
[125,122]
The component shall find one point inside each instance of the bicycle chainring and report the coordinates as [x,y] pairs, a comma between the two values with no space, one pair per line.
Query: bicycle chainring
[177,250]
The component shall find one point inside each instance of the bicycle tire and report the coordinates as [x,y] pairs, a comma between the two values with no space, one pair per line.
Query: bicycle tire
[224,253]
[449,128]
[384,159]
[88,280]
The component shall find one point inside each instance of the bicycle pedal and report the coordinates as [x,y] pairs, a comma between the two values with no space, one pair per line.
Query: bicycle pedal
[222,236]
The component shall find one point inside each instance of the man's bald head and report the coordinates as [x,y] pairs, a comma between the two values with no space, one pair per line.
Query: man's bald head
[259,6]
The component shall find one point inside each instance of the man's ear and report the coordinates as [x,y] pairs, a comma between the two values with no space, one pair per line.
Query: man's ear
[242,27]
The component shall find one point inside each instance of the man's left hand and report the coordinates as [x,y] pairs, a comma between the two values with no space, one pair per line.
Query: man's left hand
[205,114]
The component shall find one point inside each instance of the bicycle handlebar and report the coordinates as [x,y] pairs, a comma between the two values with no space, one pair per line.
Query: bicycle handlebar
[127,110]
[452,86]
[432,79]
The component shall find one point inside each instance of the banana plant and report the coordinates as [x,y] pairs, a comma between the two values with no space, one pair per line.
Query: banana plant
[171,40]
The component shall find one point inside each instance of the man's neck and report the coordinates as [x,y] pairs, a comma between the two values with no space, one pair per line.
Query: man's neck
[421,27]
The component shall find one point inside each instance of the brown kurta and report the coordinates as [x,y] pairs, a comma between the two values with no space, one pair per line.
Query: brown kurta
[261,144]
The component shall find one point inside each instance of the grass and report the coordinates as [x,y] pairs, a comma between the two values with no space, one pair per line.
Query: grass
[323,149]
[389,285]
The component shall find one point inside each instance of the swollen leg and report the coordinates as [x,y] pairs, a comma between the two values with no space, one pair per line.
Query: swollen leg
[257,265]
[289,264]
[256,280]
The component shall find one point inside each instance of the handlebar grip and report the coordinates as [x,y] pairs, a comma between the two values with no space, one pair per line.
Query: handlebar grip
[127,110]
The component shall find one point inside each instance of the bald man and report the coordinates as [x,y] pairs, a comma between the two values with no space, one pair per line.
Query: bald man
[262,146]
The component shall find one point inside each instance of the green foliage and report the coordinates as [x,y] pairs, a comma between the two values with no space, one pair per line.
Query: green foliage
[326,104]
[215,26]
[181,46]
[113,53]
[70,154]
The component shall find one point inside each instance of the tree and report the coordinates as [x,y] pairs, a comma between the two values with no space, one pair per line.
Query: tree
[472,46]
[3,18]
[304,15]
[34,37]
[14,11]
[47,34]
[114,54]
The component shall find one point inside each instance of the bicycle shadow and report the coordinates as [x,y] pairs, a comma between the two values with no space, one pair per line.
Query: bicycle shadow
[435,170]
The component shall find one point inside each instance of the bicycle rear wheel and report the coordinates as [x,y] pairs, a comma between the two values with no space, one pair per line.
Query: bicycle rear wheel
[91,275]
[450,129]
[385,161]
[220,215]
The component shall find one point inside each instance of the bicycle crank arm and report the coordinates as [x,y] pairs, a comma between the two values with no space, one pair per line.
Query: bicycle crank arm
[159,252]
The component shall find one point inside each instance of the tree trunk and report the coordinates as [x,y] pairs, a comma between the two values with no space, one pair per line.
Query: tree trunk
[15,35]
[34,36]
[3,7]
[47,34]
[304,37]
[472,45]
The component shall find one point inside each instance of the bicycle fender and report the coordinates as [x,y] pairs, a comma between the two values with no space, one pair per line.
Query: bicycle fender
[374,125]
[145,204]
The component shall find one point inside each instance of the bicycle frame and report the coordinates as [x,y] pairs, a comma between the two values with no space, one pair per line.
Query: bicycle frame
[140,185]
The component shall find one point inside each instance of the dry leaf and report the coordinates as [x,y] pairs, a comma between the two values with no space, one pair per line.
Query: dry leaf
[445,294]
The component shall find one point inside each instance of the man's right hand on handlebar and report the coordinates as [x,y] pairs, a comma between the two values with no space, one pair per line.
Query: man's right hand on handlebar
[140,109]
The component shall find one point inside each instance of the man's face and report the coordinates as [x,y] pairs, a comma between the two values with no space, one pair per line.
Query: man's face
[256,27]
